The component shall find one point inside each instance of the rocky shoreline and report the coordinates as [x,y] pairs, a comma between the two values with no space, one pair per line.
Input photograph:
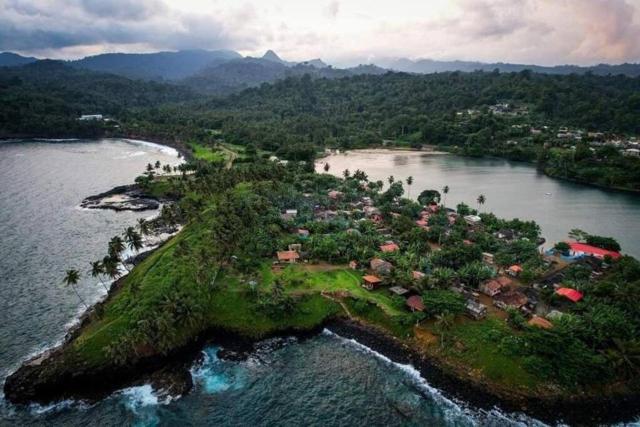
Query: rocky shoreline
[122,198]
[575,410]
[169,375]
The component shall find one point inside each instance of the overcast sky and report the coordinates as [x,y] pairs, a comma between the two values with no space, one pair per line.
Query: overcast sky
[342,32]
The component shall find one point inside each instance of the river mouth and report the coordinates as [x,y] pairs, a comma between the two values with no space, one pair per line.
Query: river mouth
[512,190]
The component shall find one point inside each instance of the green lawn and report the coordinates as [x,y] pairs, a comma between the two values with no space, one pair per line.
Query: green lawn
[481,349]
[209,154]
[296,278]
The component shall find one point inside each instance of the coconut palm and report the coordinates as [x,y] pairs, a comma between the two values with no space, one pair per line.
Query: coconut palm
[391,179]
[71,279]
[143,225]
[116,246]
[110,267]
[346,173]
[133,239]
[444,323]
[326,167]
[409,183]
[445,191]
[97,270]
[481,200]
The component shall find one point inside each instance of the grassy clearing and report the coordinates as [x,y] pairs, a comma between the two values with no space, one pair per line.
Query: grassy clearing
[482,346]
[297,278]
[208,154]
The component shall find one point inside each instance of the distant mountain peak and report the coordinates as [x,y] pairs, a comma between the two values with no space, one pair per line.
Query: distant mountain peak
[272,56]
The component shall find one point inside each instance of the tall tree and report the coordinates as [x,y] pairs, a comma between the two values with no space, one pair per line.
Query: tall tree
[97,270]
[409,184]
[445,191]
[481,200]
[71,279]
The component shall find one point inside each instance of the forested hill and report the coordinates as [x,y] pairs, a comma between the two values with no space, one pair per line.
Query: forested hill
[369,108]
[45,98]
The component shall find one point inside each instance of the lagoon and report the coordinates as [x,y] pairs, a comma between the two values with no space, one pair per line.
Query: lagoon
[512,190]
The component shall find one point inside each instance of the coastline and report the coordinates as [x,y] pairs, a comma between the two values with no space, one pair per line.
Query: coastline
[170,374]
[582,410]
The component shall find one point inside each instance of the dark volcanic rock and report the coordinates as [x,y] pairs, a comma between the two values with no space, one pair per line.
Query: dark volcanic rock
[122,198]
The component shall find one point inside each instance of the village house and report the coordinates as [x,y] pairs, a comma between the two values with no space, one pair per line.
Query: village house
[510,299]
[353,265]
[381,266]
[302,233]
[370,282]
[492,287]
[288,257]
[476,310]
[540,322]
[415,303]
[295,247]
[335,195]
[506,234]
[398,290]
[514,270]
[423,223]
[570,294]
[90,117]
[473,220]
[289,214]
[389,247]
[582,249]
[487,258]
[417,275]
[631,152]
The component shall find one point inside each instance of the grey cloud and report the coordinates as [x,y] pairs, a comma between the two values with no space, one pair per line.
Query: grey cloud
[30,25]
[123,9]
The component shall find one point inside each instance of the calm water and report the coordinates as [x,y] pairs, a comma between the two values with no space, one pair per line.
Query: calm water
[512,190]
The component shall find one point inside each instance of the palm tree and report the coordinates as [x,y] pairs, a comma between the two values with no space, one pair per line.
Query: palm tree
[391,179]
[481,199]
[71,279]
[346,173]
[445,191]
[97,270]
[326,167]
[110,267]
[133,239]
[444,323]
[116,246]
[143,225]
[409,183]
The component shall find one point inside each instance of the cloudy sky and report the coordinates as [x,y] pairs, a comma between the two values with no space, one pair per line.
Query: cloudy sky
[343,32]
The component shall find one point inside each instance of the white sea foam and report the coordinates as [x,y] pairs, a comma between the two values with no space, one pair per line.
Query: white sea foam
[453,408]
[162,148]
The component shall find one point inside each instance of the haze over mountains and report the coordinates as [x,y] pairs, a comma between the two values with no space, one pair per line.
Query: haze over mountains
[225,71]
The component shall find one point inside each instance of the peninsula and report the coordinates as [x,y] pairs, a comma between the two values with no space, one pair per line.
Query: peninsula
[271,248]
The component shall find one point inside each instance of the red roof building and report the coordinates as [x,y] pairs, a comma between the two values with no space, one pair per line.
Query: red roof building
[570,294]
[288,256]
[371,282]
[415,303]
[514,270]
[540,322]
[578,249]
